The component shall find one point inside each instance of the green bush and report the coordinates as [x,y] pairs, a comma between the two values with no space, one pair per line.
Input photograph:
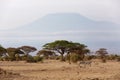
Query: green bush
[30,59]
[111,57]
[74,58]
[38,58]
[33,59]
[24,57]
[89,57]
[1,58]
[6,58]
[12,58]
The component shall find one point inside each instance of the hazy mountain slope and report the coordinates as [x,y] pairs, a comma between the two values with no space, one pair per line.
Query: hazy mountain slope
[66,21]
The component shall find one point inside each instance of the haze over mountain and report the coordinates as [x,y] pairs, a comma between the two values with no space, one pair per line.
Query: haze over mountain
[67,21]
[68,26]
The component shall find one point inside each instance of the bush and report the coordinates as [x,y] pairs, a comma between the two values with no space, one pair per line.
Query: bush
[57,57]
[33,59]
[67,57]
[38,58]
[6,58]
[74,58]
[111,57]
[24,57]
[30,59]
[104,60]
[118,59]
[1,59]
[12,58]
[89,57]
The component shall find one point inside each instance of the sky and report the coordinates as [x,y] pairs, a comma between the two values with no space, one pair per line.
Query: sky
[20,12]
[17,13]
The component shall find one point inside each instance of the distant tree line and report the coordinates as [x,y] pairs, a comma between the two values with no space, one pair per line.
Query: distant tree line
[62,50]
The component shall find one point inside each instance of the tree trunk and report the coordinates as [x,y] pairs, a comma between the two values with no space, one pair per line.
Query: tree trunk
[62,58]
[68,57]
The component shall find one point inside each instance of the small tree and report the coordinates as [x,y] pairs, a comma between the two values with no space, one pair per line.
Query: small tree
[27,49]
[13,53]
[63,46]
[59,46]
[80,49]
[102,53]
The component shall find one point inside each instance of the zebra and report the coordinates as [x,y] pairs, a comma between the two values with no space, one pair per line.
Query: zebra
[85,63]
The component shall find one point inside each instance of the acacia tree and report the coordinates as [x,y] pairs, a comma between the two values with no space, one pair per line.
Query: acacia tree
[77,52]
[102,53]
[80,49]
[59,46]
[27,49]
[63,46]
[14,53]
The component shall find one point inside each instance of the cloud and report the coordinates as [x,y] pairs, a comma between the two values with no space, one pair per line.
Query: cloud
[15,13]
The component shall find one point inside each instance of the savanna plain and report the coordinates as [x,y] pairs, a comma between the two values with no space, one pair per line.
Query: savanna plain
[57,70]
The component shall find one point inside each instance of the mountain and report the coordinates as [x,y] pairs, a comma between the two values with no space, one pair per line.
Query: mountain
[67,26]
[66,21]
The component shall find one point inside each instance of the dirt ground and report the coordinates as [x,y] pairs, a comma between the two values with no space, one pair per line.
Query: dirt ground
[56,70]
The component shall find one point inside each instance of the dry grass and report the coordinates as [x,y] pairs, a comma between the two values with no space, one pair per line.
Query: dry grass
[56,70]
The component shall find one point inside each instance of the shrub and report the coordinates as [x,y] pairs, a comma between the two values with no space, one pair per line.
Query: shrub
[24,57]
[104,60]
[30,59]
[1,59]
[12,58]
[33,59]
[89,57]
[57,57]
[74,58]
[6,58]
[111,57]
[38,58]
[67,57]
[118,59]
